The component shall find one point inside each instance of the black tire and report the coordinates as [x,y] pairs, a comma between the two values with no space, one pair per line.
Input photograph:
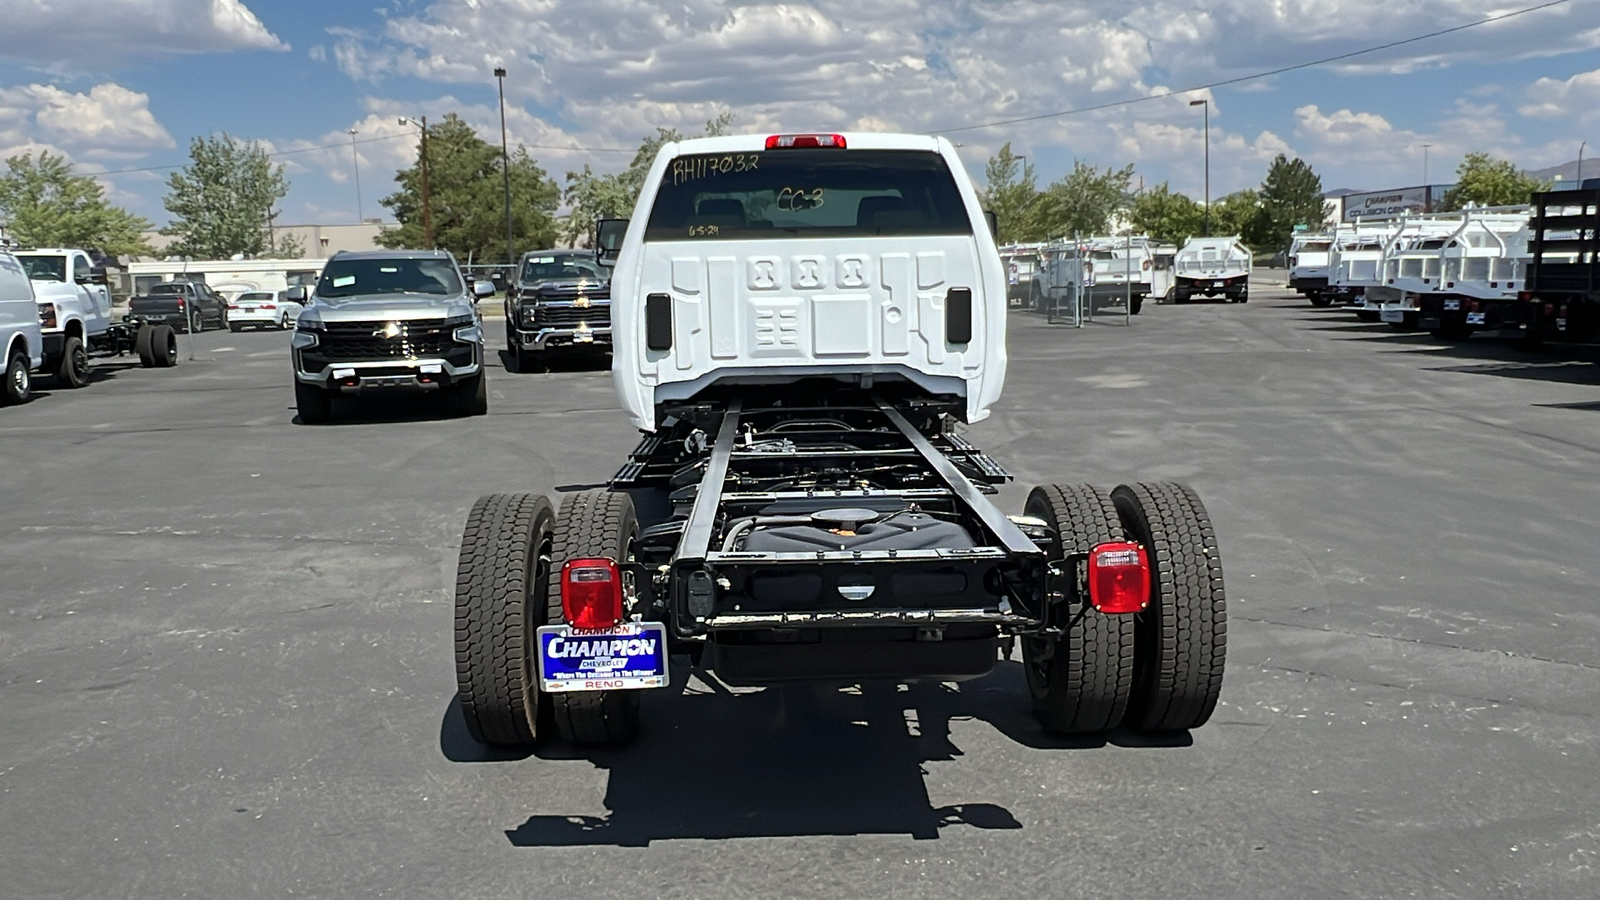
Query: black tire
[235,328]
[164,346]
[1244,297]
[518,361]
[1319,299]
[1368,315]
[1136,304]
[197,322]
[73,369]
[471,397]
[315,404]
[144,346]
[1182,638]
[1081,680]
[592,523]
[285,323]
[501,581]
[18,385]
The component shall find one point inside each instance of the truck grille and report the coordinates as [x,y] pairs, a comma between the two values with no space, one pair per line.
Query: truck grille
[597,316]
[367,340]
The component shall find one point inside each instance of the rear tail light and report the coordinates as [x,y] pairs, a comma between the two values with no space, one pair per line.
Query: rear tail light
[232,306]
[269,306]
[180,303]
[591,593]
[1524,296]
[788,141]
[1119,578]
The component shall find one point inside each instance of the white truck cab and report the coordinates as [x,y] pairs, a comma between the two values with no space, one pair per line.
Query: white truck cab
[760,259]
[74,305]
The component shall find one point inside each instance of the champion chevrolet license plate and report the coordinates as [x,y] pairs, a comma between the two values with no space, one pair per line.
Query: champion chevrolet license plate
[630,656]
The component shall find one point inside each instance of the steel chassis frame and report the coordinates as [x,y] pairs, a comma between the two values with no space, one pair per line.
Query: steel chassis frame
[697,591]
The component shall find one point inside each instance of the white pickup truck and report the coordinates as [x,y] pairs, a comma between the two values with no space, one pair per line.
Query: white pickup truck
[75,312]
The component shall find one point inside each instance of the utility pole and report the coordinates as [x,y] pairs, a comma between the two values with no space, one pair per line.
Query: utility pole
[505,166]
[427,202]
[1427,193]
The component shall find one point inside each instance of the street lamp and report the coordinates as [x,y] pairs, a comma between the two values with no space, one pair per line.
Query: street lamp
[1206,105]
[355,162]
[427,202]
[1427,193]
[505,164]
[1580,164]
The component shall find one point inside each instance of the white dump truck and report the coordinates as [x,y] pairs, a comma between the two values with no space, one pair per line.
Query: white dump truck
[801,323]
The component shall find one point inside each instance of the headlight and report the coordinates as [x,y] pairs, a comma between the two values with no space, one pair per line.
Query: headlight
[303,339]
[458,321]
[47,315]
[470,334]
[309,324]
[530,313]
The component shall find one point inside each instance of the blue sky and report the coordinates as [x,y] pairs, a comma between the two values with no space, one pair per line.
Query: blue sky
[125,85]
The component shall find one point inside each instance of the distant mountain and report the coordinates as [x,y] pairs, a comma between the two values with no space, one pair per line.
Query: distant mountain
[1568,171]
[1340,192]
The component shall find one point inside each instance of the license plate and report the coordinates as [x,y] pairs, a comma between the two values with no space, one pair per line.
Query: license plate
[581,338]
[1452,304]
[631,656]
[1475,318]
[1392,315]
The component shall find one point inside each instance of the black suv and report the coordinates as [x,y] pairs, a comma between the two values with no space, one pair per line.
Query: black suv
[561,300]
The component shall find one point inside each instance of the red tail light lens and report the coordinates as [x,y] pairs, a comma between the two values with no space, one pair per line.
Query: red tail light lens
[788,141]
[180,303]
[232,306]
[591,593]
[1119,578]
[269,306]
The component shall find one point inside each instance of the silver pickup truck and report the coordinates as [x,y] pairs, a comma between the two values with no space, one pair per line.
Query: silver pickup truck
[389,321]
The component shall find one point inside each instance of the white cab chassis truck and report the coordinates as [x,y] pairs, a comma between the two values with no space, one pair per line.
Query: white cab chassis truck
[1212,267]
[77,321]
[1308,267]
[801,321]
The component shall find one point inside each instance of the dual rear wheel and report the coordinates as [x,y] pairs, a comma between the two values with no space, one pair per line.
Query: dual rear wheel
[507,587]
[1159,670]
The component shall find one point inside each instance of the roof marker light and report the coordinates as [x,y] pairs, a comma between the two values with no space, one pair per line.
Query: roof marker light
[797,141]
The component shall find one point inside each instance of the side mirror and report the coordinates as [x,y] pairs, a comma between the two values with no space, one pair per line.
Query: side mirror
[608,238]
[994,223]
[297,294]
[481,289]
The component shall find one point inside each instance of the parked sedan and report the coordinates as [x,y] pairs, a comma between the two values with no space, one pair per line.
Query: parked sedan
[263,309]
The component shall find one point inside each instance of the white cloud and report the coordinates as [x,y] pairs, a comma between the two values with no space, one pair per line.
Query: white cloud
[79,35]
[1577,97]
[108,122]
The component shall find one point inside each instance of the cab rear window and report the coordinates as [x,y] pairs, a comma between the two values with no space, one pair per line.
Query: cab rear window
[806,193]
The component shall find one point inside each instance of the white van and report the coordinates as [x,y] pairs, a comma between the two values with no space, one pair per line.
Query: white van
[859,257]
[20,334]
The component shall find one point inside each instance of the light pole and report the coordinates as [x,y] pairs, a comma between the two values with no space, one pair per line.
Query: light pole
[505,165]
[1206,108]
[427,203]
[355,162]
[1427,193]
[1579,179]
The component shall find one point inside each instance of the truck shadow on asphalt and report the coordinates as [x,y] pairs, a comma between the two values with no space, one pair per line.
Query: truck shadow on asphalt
[560,362]
[1482,355]
[789,761]
[434,406]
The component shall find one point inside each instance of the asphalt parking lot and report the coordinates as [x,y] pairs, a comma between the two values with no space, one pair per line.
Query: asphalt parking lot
[225,646]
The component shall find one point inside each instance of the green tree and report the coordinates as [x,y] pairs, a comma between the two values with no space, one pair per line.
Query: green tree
[589,196]
[1485,181]
[1291,195]
[467,200]
[1082,202]
[44,205]
[221,203]
[1166,215]
[288,246]
[1009,192]
[1239,213]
